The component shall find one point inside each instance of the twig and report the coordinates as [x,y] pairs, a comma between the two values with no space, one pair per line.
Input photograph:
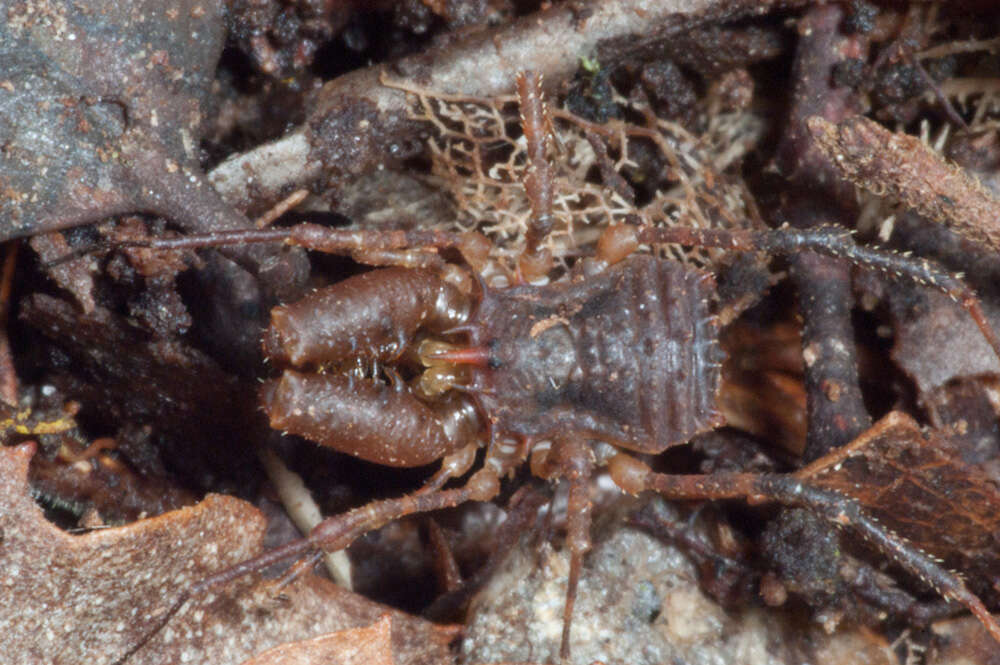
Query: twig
[836,411]
[902,166]
[298,501]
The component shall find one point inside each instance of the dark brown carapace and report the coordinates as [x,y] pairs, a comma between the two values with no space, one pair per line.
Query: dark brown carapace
[612,357]
[629,356]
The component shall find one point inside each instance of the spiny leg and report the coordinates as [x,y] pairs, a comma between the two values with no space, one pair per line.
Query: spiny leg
[538,180]
[538,176]
[633,476]
[830,241]
[846,512]
[573,459]
[372,247]
[396,248]
[835,242]
[578,523]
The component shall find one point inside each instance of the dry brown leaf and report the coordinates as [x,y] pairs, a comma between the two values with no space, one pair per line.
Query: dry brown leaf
[915,485]
[74,598]
[370,645]
[960,351]
[89,598]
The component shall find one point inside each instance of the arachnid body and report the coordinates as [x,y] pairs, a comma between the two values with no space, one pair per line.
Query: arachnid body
[621,357]
[629,357]
[420,362]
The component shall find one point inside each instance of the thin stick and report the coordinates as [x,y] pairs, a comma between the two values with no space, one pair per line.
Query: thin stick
[281,207]
[298,502]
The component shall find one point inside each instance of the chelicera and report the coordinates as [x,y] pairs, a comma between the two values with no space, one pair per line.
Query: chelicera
[422,362]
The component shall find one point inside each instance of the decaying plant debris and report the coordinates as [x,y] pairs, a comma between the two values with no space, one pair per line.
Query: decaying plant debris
[107,569]
[130,375]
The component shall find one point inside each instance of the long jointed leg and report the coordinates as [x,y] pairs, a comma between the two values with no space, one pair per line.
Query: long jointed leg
[538,176]
[634,476]
[576,462]
[571,458]
[395,247]
[332,534]
[835,242]
[373,247]
[578,521]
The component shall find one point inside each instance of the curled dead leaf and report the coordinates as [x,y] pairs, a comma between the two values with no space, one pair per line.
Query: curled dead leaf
[90,598]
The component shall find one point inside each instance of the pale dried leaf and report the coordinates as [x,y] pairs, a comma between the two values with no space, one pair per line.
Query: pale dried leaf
[89,598]
[370,645]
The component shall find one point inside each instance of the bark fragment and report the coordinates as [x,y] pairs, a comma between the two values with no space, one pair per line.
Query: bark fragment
[904,167]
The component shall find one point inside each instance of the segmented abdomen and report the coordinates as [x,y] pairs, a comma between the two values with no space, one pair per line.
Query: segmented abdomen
[649,355]
[630,356]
